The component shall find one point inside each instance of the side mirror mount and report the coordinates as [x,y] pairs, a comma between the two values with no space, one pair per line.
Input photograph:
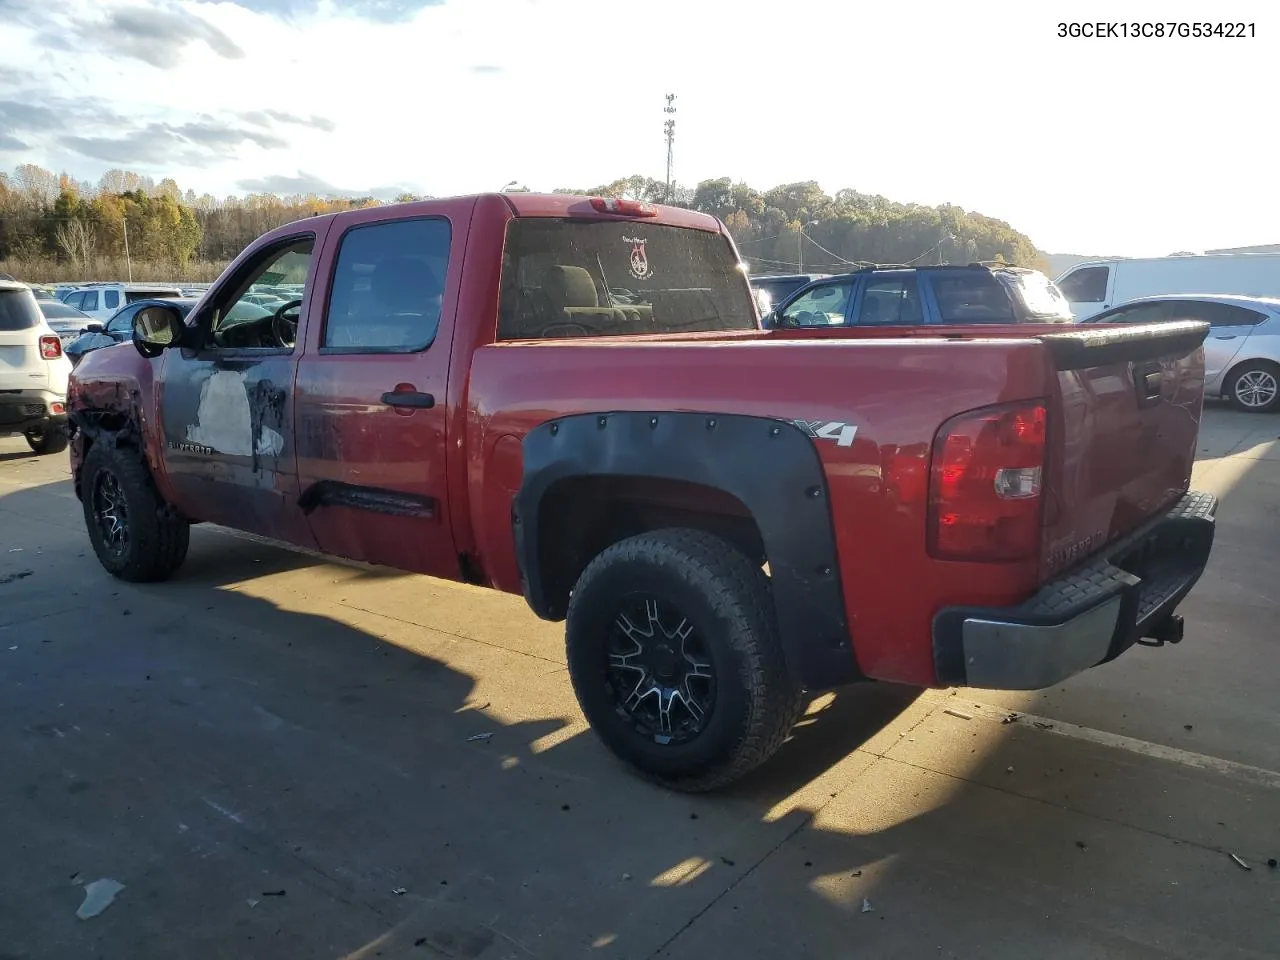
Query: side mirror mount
[156,329]
[94,328]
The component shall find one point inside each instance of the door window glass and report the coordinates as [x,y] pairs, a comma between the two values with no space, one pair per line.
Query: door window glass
[823,306]
[1139,313]
[122,322]
[241,322]
[890,301]
[90,301]
[388,286]
[110,299]
[1086,285]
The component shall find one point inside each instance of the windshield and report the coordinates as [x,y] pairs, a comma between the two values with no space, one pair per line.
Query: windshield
[573,278]
[161,293]
[1039,295]
[18,310]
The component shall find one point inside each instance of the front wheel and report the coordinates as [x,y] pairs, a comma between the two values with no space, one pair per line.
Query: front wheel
[1255,387]
[674,655]
[47,438]
[135,533]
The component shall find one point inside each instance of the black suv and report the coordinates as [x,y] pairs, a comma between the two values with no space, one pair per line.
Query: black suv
[910,296]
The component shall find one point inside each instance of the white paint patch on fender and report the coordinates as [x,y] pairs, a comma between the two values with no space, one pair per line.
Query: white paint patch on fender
[223,419]
[270,443]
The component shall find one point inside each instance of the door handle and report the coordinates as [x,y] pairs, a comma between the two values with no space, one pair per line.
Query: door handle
[412,399]
[1230,337]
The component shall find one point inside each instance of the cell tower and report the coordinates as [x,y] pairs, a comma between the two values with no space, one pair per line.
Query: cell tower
[670,128]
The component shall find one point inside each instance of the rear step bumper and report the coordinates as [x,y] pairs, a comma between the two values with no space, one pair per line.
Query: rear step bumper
[1126,594]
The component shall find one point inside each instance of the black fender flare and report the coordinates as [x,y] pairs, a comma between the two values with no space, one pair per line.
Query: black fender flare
[770,466]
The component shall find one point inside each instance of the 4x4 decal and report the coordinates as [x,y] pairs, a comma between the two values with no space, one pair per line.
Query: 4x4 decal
[840,431]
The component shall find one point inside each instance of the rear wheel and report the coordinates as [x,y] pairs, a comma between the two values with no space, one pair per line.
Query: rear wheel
[1255,387]
[47,438]
[135,533]
[674,655]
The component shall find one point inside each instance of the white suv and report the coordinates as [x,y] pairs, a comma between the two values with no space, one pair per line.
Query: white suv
[33,372]
[102,300]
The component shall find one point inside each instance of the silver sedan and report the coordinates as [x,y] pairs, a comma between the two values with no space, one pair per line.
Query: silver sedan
[1242,351]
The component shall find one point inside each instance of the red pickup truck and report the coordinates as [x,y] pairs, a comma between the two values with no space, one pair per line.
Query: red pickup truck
[572,398]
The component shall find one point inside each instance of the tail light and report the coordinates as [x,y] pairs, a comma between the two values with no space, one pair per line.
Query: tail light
[630,208]
[985,484]
[50,348]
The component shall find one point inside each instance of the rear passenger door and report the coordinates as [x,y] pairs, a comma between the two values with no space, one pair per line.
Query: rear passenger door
[889,302]
[372,408]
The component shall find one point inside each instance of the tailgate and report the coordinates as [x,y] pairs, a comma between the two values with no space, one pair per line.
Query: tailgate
[21,367]
[1126,426]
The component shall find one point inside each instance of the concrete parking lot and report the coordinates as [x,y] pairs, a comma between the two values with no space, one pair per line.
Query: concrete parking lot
[279,756]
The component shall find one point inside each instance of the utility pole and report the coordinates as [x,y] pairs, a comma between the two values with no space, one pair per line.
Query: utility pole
[670,128]
[124,219]
[800,244]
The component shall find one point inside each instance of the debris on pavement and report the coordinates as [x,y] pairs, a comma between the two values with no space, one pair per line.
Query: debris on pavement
[1272,863]
[1082,845]
[486,737]
[958,713]
[856,873]
[726,861]
[866,905]
[400,891]
[1044,726]
[252,902]
[98,896]
[273,893]
[626,876]
[16,576]
[1186,726]
[1009,769]
[1240,863]
[1010,718]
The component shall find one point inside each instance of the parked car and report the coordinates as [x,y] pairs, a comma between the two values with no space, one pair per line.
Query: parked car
[725,518]
[119,329]
[44,293]
[67,322]
[1242,351]
[102,300]
[33,372]
[911,296]
[1097,285]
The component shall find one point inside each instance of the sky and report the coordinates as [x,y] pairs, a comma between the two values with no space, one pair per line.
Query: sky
[1132,147]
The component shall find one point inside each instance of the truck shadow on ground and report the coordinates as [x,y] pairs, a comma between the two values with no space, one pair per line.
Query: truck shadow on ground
[270,782]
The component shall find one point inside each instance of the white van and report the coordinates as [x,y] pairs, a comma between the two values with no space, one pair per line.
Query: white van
[1096,285]
[102,300]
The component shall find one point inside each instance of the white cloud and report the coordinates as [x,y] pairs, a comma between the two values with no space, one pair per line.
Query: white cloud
[1132,146]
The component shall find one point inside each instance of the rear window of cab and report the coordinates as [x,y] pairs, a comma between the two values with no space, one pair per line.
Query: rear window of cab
[593,278]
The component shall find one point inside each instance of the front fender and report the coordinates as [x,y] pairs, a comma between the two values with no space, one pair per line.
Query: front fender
[770,466]
[109,399]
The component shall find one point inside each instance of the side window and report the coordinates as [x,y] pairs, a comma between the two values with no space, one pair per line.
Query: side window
[823,306]
[111,299]
[890,301]
[122,322]
[972,297]
[388,286]
[1086,285]
[1221,314]
[90,301]
[74,300]
[239,322]
[1142,313]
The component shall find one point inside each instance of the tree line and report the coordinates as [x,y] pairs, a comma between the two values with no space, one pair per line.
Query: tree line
[54,227]
[798,224]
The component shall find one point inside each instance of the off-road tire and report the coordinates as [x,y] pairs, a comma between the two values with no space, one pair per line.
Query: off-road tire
[158,536]
[728,600]
[47,439]
[1269,372]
